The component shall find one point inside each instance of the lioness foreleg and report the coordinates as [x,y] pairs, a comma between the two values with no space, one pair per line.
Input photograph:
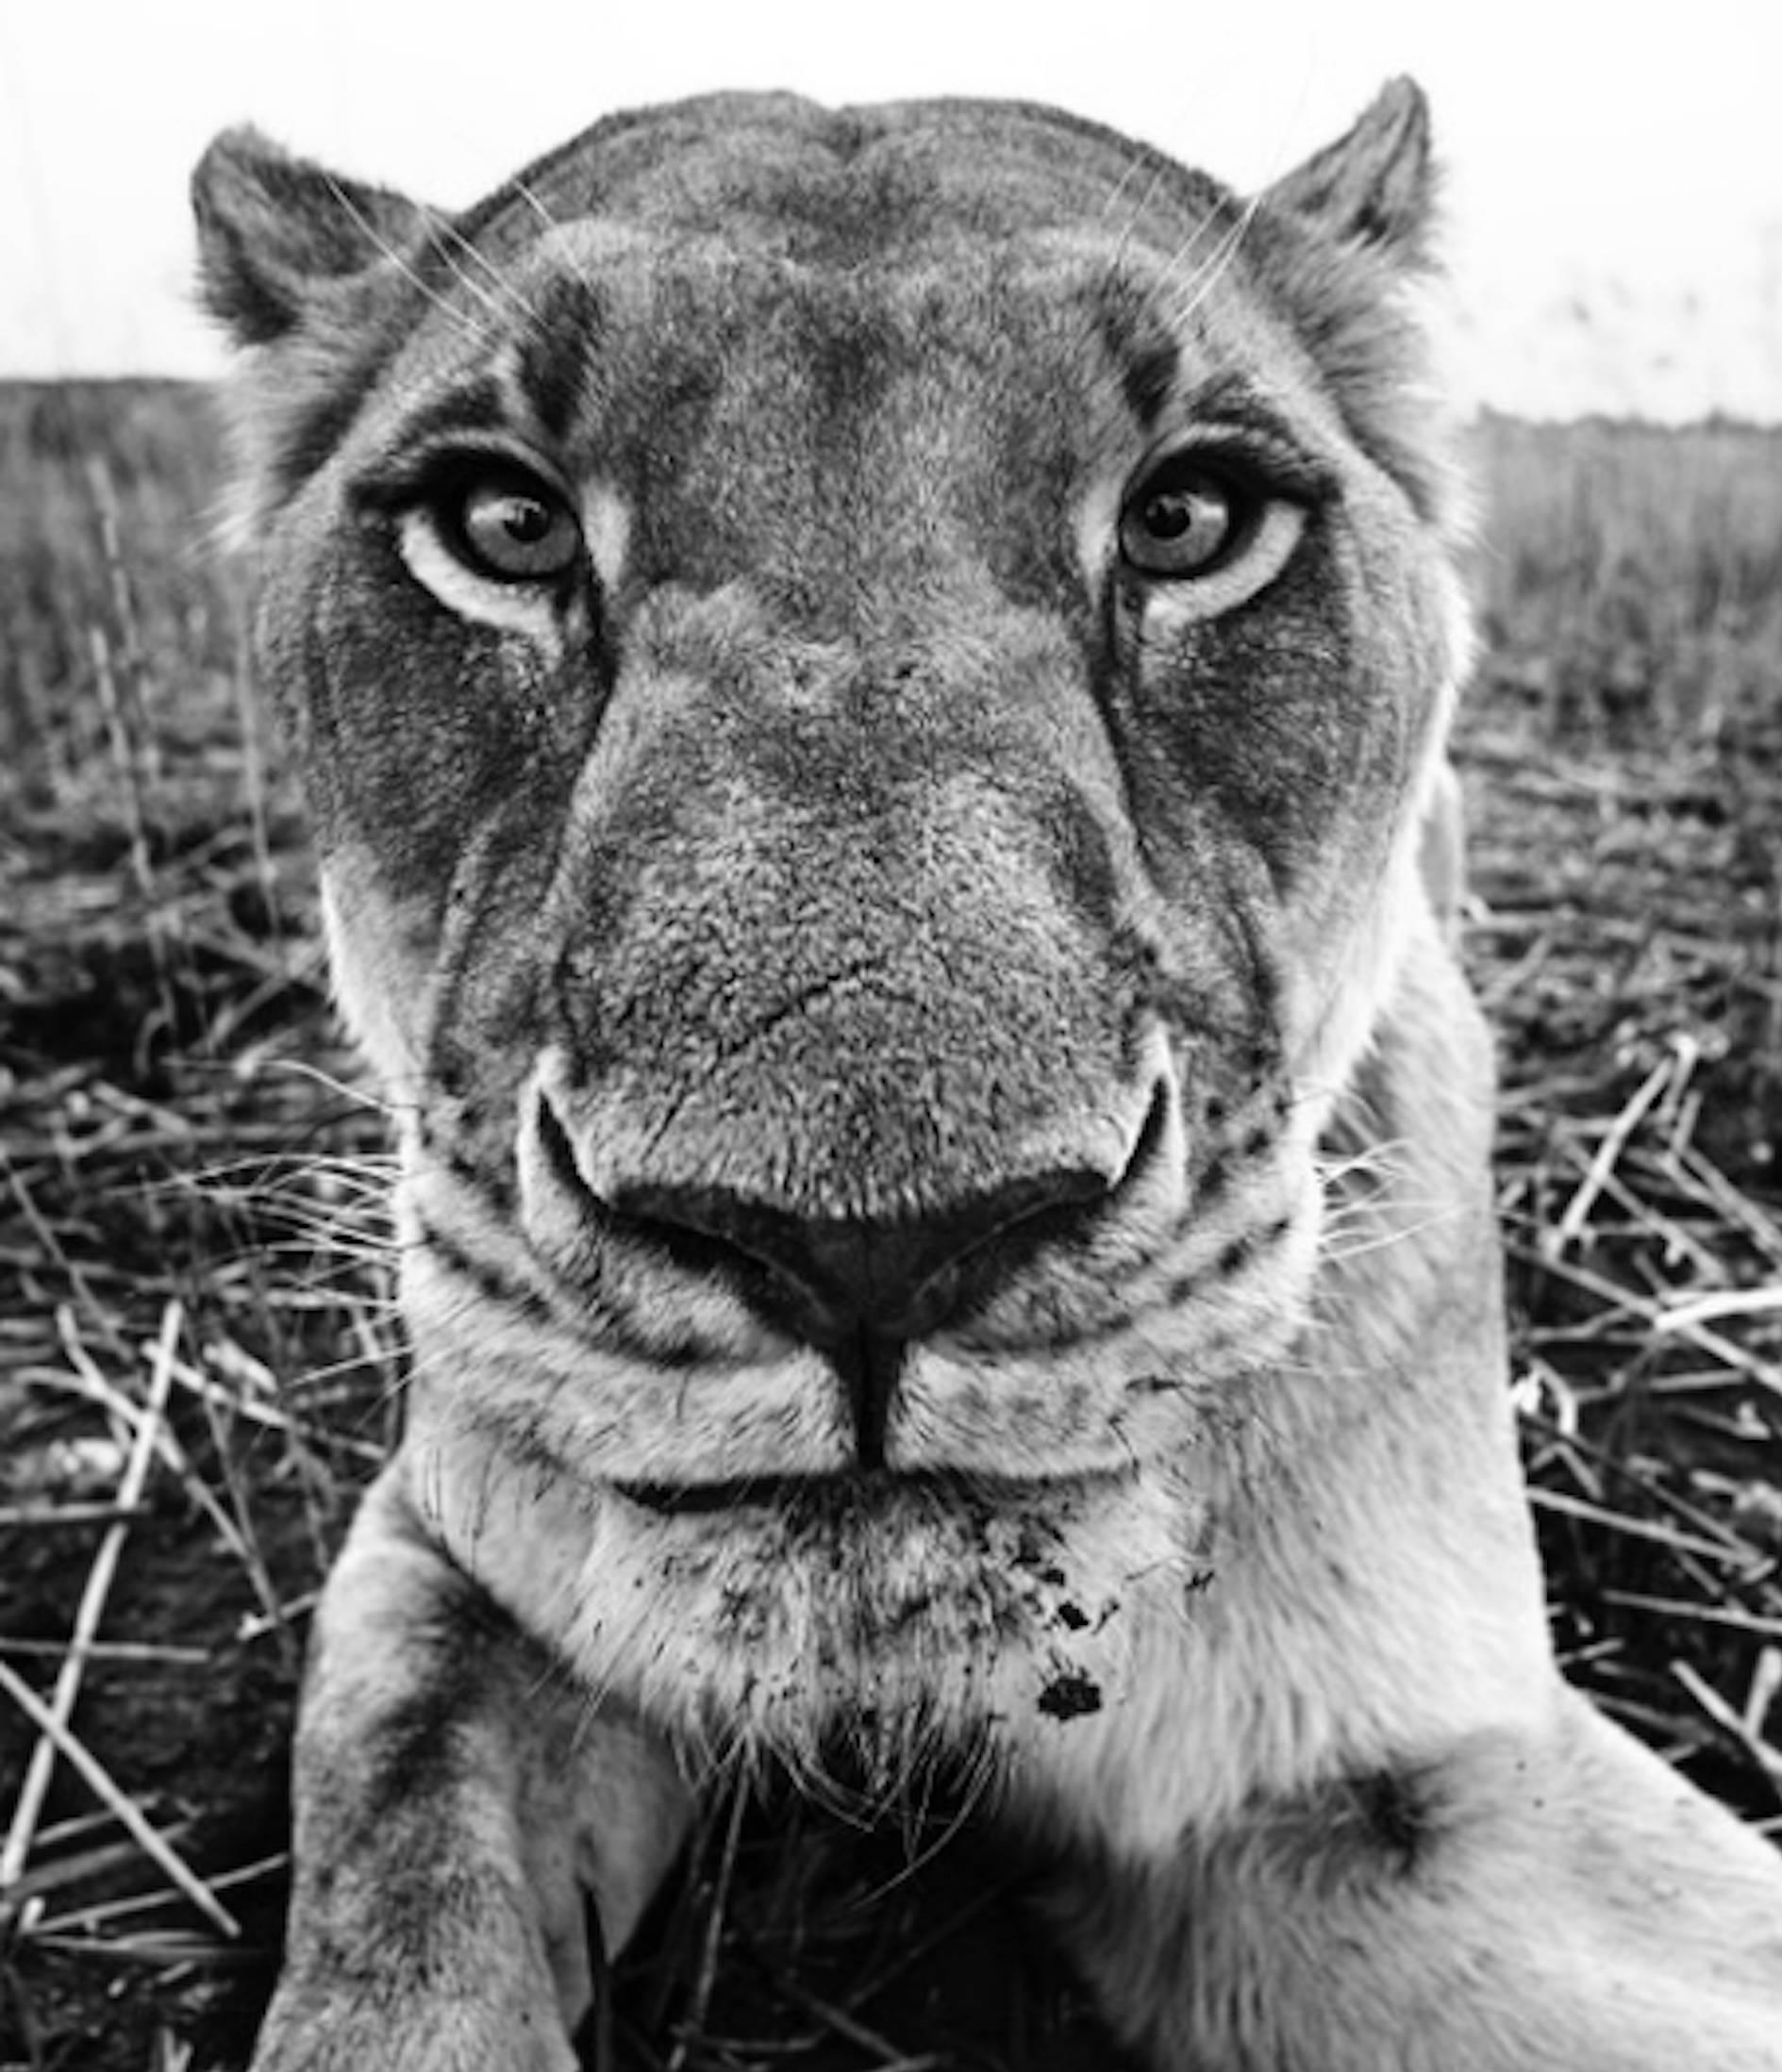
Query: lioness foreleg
[1519,1903]
[455,1806]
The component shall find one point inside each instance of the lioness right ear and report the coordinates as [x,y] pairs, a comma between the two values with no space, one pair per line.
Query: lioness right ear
[1376,185]
[273,229]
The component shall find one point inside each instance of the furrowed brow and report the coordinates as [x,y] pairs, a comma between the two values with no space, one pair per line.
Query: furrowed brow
[1236,403]
[552,360]
[479,404]
[1135,338]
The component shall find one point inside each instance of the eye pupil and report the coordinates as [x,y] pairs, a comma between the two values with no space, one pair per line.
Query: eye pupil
[525,520]
[1170,516]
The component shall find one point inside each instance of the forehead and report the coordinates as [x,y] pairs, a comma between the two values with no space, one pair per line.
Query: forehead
[988,248]
[845,187]
[603,315]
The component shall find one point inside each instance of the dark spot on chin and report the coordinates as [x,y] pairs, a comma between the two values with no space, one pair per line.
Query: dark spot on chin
[1070,1697]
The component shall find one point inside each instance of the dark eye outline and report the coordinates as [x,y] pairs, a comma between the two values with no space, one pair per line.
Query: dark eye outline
[454,484]
[1237,485]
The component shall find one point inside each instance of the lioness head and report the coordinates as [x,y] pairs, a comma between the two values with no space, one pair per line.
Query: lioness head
[866,683]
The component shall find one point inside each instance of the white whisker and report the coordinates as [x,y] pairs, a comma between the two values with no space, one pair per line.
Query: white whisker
[403,265]
[1224,258]
[529,194]
[442,229]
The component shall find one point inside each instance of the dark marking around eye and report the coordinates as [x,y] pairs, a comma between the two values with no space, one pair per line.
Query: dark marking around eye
[475,405]
[317,429]
[1140,347]
[554,353]
[314,434]
[1149,380]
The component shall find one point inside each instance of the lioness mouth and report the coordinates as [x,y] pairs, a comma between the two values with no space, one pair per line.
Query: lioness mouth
[817,1500]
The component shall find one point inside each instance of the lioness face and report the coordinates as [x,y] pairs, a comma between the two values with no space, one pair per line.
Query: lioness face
[867,696]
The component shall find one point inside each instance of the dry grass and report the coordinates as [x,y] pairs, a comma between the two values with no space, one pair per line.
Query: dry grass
[1624,759]
[196,1369]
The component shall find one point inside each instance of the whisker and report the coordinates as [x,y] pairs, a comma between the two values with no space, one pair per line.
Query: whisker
[1129,230]
[1175,265]
[405,266]
[529,194]
[1224,258]
[352,1093]
[1135,213]
[499,281]
[1389,1158]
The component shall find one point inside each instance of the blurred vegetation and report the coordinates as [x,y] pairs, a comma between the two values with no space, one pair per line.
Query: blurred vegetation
[1630,574]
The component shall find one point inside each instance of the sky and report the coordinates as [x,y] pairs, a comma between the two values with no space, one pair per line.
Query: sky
[1615,173]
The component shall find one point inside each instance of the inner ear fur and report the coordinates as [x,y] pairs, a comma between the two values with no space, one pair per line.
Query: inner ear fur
[1375,186]
[274,231]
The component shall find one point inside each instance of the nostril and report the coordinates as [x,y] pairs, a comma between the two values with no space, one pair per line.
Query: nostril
[828,1280]
[824,1278]
[554,1147]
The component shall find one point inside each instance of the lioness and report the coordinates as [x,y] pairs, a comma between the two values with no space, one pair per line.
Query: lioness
[872,689]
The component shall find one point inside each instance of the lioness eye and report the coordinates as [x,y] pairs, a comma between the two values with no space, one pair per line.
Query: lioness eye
[511,528]
[1182,519]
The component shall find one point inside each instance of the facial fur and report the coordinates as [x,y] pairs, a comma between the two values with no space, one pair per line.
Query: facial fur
[869,938]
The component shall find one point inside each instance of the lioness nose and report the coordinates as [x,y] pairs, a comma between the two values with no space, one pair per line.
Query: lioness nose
[859,1290]
[828,1278]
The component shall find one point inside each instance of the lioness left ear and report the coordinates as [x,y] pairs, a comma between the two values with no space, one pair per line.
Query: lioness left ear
[1375,186]
[274,230]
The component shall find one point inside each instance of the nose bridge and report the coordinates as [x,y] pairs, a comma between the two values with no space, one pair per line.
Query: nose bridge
[821,883]
[862,723]
[940,761]
[868,707]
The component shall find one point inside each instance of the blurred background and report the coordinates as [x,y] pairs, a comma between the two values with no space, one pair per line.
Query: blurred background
[1616,180]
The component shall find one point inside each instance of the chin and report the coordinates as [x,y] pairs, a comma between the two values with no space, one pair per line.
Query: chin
[864,1629]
